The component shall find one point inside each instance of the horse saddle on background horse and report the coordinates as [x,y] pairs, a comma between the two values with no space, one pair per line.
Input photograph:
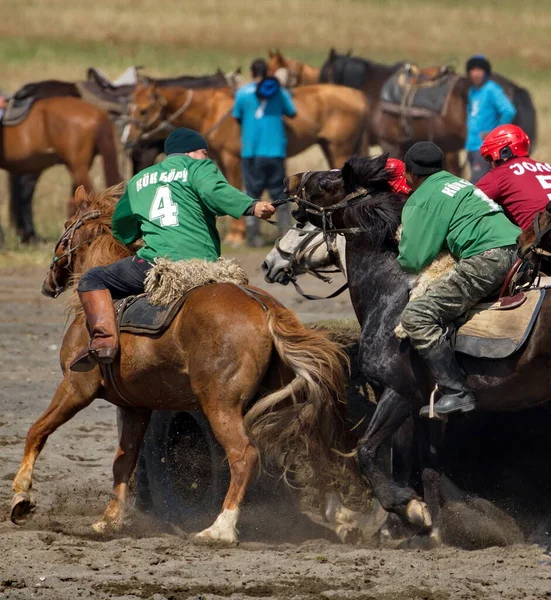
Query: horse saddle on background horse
[414,92]
[20,104]
[110,95]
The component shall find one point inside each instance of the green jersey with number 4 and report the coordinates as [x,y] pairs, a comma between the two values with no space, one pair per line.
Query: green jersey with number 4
[173,206]
[447,211]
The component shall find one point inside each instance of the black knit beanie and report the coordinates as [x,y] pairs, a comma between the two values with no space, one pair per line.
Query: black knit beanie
[184,140]
[424,158]
[479,61]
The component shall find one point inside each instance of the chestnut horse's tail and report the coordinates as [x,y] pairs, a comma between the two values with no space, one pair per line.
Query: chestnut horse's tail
[107,148]
[306,417]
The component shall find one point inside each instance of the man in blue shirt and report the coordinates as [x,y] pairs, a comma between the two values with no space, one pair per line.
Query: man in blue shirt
[487,107]
[259,108]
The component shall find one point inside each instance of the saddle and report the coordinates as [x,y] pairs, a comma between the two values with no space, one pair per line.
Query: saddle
[418,93]
[136,315]
[128,78]
[497,329]
[112,96]
[20,104]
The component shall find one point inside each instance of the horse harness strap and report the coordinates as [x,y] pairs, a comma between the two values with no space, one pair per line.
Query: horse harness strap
[535,247]
[168,121]
[65,241]
[336,293]
[214,127]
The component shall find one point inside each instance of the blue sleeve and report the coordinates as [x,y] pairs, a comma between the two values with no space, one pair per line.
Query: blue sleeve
[505,108]
[289,109]
[237,110]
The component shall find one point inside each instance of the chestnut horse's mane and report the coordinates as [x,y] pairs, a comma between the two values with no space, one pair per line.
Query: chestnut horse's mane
[104,249]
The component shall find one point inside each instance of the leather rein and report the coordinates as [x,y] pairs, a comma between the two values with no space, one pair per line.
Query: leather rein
[296,257]
[66,243]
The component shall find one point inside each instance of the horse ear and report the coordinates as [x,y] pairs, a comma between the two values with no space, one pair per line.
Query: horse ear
[237,71]
[219,71]
[332,54]
[271,53]
[349,53]
[348,174]
[278,53]
[81,197]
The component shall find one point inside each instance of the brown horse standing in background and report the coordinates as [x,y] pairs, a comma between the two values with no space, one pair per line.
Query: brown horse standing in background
[295,72]
[335,117]
[447,130]
[264,382]
[65,131]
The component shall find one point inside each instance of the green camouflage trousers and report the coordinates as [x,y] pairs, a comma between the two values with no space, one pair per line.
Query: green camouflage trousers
[472,279]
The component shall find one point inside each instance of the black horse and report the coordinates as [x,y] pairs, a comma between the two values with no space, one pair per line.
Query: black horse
[358,198]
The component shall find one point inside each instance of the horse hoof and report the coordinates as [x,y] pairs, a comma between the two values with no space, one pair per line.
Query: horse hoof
[422,542]
[21,508]
[418,514]
[104,527]
[215,535]
[349,535]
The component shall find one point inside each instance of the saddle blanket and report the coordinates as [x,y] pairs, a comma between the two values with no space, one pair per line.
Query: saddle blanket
[405,96]
[489,331]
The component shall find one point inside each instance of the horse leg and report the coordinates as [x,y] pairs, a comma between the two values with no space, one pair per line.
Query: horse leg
[431,476]
[392,410]
[134,422]
[21,195]
[227,426]
[72,395]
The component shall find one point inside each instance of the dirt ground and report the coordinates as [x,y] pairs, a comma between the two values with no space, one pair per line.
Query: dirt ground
[55,556]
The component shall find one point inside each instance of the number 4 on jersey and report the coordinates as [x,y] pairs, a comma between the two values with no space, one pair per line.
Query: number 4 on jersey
[164,208]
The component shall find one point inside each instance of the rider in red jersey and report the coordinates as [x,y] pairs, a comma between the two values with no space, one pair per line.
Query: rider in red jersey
[520,184]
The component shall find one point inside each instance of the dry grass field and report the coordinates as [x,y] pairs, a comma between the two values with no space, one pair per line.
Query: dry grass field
[41,39]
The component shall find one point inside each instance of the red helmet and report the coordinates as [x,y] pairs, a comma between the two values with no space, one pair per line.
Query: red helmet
[397,180]
[505,142]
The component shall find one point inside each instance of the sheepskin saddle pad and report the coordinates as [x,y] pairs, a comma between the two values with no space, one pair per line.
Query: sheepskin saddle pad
[167,287]
[491,330]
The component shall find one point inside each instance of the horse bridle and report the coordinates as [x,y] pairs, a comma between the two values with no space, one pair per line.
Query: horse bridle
[295,258]
[326,212]
[66,242]
[160,104]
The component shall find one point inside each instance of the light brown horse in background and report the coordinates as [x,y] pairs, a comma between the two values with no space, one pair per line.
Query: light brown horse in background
[293,72]
[335,117]
[65,131]
[265,383]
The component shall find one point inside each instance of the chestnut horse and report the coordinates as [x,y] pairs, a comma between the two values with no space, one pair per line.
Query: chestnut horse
[265,383]
[291,72]
[65,131]
[332,116]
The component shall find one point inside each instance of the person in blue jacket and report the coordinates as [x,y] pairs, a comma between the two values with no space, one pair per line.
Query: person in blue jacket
[259,108]
[487,107]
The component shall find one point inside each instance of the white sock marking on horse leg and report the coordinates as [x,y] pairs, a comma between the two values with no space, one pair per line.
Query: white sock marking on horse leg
[224,529]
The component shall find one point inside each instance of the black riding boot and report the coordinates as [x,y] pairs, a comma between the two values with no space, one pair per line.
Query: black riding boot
[456,394]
